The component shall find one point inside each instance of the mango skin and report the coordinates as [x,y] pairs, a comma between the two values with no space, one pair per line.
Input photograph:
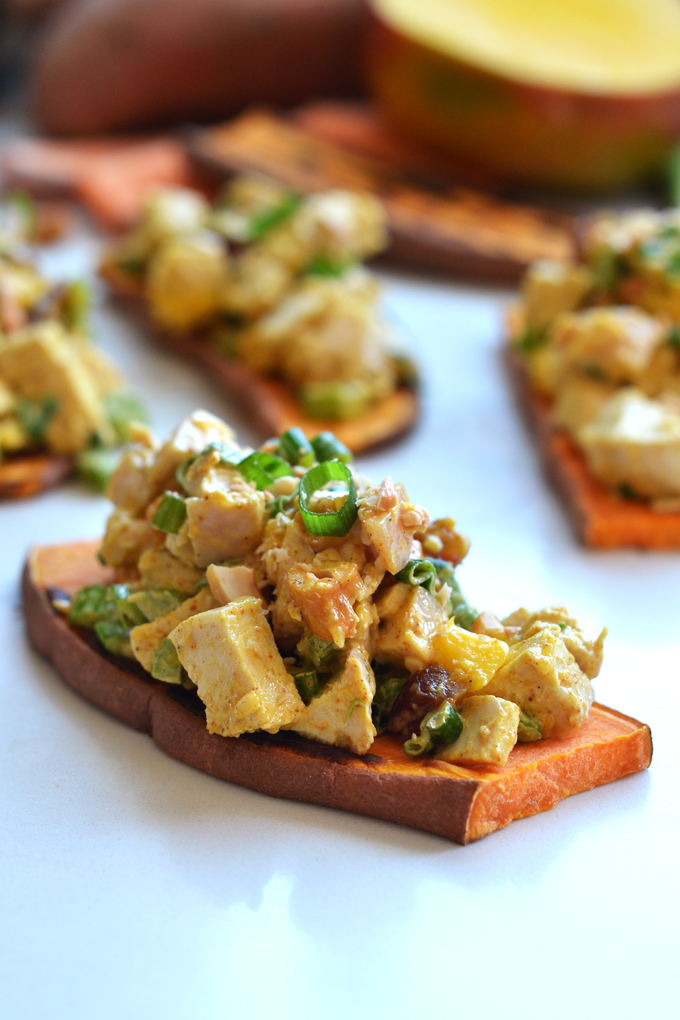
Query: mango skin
[528,133]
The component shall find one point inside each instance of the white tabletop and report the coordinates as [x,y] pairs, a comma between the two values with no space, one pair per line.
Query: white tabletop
[133,886]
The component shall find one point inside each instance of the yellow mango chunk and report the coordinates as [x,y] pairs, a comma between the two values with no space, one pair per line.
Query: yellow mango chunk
[473,657]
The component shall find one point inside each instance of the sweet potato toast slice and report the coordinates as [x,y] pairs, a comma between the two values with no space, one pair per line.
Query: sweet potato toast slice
[461,804]
[270,404]
[23,475]
[454,230]
[602,519]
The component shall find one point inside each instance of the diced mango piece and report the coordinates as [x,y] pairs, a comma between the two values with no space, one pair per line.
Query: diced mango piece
[473,657]
[231,656]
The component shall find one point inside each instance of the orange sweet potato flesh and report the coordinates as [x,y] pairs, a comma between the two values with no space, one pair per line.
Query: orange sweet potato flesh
[24,475]
[270,404]
[601,518]
[462,804]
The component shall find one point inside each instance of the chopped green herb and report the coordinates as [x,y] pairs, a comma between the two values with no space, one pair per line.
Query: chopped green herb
[443,726]
[35,415]
[296,448]
[170,513]
[531,340]
[529,729]
[335,401]
[261,225]
[166,665]
[322,266]
[317,651]
[95,603]
[121,410]
[76,303]
[96,467]
[326,446]
[354,704]
[115,637]
[385,696]
[334,522]
[263,468]
[419,572]
[458,606]
[307,685]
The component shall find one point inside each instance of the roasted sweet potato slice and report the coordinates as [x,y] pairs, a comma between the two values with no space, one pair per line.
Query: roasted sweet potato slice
[23,475]
[454,230]
[270,404]
[601,518]
[462,804]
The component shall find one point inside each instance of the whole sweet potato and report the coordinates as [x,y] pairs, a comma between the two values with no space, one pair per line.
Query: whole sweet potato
[110,64]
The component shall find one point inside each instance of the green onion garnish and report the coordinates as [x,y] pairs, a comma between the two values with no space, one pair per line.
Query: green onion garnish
[326,446]
[115,637]
[529,729]
[443,726]
[307,685]
[266,221]
[419,572]
[463,613]
[337,522]
[384,698]
[166,665]
[318,651]
[323,266]
[76,303]
[35,415]
[121,409]
[170,513]
[96,467]
[263,468]
[296,448]
[335,401]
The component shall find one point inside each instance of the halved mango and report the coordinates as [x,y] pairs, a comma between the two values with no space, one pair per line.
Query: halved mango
[583,93]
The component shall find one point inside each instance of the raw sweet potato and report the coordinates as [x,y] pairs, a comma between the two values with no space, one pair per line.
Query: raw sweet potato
[112,64]
[462,804]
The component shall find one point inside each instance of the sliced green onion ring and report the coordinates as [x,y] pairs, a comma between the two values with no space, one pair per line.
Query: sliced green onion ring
[170,513]
[327,446]
[336,522]
[419,572]
[296,448]
[263,468]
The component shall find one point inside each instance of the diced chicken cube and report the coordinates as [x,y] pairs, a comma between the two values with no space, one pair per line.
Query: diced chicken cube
[231,656]
[588,654]
[550,288]
[226,525]
[230,583]
[578,401]
[185,280]
[389,523]
[126,538]
[192,435]
[489,732]
[158,568]
[409,620]
[131,487]
[341,713]
[39,363]
[542,676]
[613,344]
[147,638]
[173,212]
[635,441]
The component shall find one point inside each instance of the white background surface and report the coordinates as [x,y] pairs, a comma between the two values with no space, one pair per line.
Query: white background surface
[133,886]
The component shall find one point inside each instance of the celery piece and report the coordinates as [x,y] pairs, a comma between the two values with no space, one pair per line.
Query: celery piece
[335,401]
[95,603]
[317,651]
[115,637]
[166,665]
[96,467]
